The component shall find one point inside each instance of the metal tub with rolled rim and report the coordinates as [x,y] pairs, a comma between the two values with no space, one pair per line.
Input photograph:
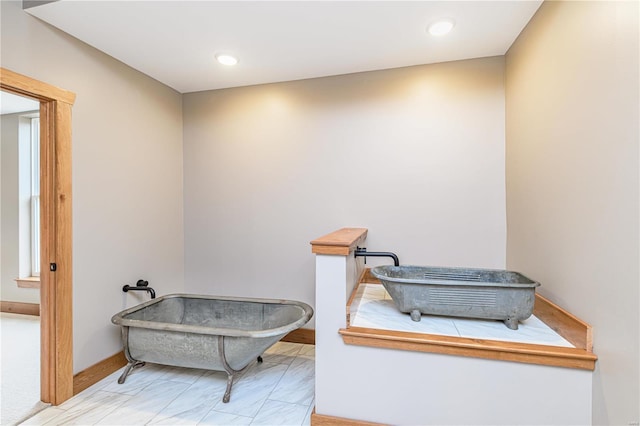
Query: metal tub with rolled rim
[460,292]
[208,332]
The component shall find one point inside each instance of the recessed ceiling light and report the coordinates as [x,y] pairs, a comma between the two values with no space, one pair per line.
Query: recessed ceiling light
[226,59]
[441,27]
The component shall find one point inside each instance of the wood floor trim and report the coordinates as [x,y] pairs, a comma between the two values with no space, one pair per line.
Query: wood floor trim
[97,372]
[301,335]
[20,308]
[323,420]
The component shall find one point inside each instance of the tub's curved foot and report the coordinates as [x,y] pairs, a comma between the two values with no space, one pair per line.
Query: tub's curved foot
[416,315]
[511,323]
[227,393]
[230,371]
[127,370]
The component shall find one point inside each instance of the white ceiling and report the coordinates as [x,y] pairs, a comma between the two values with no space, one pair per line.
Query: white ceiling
[175,41]
[10,103]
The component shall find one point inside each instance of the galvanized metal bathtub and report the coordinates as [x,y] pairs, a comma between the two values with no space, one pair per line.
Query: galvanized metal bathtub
[208,332]
[461,292]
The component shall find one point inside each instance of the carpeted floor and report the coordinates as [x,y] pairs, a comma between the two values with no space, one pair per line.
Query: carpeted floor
[20,367]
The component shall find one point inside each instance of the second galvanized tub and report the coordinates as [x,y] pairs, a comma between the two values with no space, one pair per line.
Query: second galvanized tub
[210,332]
[461,292]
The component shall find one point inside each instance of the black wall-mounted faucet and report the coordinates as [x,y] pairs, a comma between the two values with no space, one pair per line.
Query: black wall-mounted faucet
[141,285]
[362,252]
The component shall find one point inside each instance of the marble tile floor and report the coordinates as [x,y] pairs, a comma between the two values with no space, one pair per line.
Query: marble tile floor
[279,391]
[372,307]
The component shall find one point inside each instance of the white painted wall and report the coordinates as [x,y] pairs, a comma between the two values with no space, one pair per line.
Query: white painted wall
[414,154]
[573,184]
[13,249]
[127,175]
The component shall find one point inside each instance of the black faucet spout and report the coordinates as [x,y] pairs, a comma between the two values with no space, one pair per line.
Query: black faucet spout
[141,285]
[362,252]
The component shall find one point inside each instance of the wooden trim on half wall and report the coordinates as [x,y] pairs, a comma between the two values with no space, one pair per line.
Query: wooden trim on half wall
[341,242]
[56,357]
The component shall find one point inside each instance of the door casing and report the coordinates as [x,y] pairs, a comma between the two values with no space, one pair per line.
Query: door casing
[56,320]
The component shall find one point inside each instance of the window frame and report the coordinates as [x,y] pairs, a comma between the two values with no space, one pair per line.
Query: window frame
[35,196]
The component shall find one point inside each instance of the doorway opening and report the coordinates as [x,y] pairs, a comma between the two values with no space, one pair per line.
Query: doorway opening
[20,257]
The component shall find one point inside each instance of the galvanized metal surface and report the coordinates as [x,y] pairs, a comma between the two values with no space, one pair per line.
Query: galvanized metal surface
[209,332]
[460,292]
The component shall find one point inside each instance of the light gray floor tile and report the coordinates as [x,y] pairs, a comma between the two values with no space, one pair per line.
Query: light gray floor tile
[138,379]
[250,392]
[307,418]
[307,351]
[44,416]
[530,330]
[82,396]
[140,410]
[281,353]
[91,409]
[194,403]
[195,396]
[224,419]
[280,413]
[297,385]
[178,374]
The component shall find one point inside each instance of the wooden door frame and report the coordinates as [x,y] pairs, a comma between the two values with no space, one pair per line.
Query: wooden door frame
[56,321]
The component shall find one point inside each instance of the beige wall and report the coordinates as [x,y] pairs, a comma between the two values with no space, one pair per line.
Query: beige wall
[414,154]
[127,175]
[572,179]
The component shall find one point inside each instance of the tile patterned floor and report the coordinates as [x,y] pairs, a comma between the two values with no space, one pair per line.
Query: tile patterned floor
[372,307]
[280,391]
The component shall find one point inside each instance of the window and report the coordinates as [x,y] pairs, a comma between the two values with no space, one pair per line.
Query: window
[28,196]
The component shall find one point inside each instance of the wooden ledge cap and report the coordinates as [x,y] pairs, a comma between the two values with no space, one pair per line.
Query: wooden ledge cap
[340,242]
